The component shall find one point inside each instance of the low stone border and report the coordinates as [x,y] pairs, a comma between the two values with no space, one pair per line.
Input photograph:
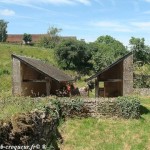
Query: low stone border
[142,91]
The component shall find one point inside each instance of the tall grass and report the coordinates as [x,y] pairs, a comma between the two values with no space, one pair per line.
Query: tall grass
[10,105]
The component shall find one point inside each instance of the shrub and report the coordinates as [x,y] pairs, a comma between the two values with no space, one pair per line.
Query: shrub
[68,107]
[128,107]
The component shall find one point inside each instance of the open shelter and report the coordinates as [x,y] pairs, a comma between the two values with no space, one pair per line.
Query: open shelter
[33,77]
[116,78]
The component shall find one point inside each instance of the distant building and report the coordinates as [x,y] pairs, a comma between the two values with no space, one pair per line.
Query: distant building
[18,38]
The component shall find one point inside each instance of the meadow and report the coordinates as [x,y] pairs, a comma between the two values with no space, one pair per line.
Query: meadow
[107,133]
[77,133]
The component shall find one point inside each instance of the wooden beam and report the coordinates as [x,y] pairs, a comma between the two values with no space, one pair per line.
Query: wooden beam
[34,81]
[112,80]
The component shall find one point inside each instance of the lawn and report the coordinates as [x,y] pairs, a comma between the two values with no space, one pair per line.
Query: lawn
[107,134]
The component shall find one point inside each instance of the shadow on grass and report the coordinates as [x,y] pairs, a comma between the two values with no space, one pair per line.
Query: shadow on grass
[144,110]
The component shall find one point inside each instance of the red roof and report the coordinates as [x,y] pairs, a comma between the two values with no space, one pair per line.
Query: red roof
[17,38]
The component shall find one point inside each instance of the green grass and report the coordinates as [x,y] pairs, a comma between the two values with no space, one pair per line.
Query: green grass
[10,105]
[107,134]
[6,62]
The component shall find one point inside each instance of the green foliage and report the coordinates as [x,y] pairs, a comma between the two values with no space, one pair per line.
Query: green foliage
[141,75]
[4,72]
[51,39]
[106,50]
[53,31]
[67,107]
[72,107]
[27,38]
[129,107]
[141,81]
[140,50]
[74,55]
[3,30]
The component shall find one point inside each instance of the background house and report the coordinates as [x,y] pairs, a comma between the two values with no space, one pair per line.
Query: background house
[18,38]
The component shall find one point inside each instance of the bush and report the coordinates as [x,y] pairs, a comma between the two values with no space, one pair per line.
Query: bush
[141,81]
[68,107]
[129,107]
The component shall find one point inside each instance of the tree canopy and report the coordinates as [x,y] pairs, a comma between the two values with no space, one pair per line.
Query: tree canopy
[3,30]
[107,50]
[52,38]
[27,38]
[140,50]
[73,54]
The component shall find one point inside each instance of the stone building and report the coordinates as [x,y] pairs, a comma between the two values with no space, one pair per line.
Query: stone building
[117,79]
[32,77]
[18,38]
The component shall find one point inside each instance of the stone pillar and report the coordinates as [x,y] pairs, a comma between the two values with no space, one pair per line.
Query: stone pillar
[96,88]
[16,78]
[128,76]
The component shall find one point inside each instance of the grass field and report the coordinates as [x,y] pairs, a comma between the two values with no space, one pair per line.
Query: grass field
[78,134]
[6,64]
[107,134]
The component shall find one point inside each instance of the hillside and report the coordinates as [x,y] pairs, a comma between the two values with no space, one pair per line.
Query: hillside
[5,60]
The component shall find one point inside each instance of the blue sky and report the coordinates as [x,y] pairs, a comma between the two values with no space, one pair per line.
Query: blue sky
[85,19]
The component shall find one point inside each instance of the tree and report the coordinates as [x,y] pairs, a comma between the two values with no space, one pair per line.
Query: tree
[140,50]
[27,38]
[52,38]
[53,31]
[102,58]
[107,51]
[73,54]
[3,30]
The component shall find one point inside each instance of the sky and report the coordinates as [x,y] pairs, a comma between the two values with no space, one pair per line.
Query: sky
[85,19]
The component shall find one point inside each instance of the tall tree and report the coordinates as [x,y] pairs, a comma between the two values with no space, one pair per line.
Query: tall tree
[53,31]
[73,54]
[108,50]
[52,38]
[140,50]
[27,38]
[3,30]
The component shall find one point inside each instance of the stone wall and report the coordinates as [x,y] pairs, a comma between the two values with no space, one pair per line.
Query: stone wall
[101,107]
[40,126]
[91,107]
[142,91]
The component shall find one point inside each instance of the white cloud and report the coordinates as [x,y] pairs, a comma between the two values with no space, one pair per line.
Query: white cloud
[7,12]
[85,2]
[56,2]
[141,25]
[114,26]
[105,24]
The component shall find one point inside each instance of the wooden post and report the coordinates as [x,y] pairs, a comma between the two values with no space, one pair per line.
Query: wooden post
[48,86]
[96,88]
